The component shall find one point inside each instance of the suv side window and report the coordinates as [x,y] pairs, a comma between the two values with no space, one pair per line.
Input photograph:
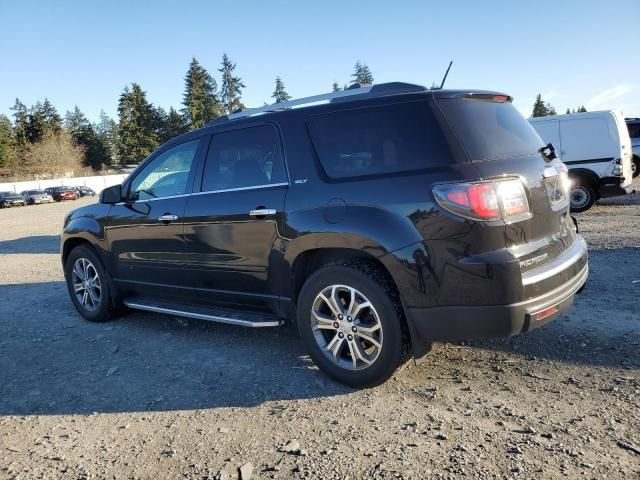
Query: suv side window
[248,157]
[634,129]
[166,175]
[379,140]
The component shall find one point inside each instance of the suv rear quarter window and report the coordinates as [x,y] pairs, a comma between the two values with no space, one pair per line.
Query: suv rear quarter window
[378,140]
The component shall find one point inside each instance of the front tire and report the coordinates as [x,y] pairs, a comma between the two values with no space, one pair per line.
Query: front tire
[582,196]
[351,325]
[89,284]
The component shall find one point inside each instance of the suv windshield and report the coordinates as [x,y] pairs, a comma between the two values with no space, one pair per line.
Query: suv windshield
[490,130]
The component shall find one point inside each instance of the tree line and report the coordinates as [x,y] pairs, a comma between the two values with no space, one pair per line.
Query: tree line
[39,142]
[543,109]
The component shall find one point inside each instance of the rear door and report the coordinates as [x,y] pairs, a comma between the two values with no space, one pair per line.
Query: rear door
[501,143]
[624,140]
[231,225]
[589,143]
[145,232]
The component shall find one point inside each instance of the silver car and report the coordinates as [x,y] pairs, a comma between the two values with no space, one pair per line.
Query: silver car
[36,196]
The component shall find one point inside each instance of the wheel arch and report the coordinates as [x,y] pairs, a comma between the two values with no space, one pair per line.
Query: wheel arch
[309,261]
[81,230]
[589,175]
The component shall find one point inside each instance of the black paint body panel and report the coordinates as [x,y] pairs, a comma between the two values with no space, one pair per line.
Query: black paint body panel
[217,253]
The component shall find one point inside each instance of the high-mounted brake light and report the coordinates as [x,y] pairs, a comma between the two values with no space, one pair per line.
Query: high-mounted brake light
[491,200]
[500,98]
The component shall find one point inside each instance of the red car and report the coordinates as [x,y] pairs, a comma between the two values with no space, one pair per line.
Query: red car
[62,193]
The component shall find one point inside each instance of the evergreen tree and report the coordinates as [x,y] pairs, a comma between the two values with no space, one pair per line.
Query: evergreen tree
[366,77]
[362,74]
[280,94]
[107,131]
[336,87]
[568,111]
[136,132]
[52,120]
[76,123]
[35,128]
[200,99]
[21,115]
[169,124]
[582,109]
[7,143]
[539,107]
[97,152]
[550,109]
[231,91]
[84,134]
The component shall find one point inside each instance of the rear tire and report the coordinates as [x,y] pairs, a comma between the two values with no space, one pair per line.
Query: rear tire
[89,285]
[582,196]
[363,323]
[635,166]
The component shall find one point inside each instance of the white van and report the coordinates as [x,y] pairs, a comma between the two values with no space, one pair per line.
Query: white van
[596,148]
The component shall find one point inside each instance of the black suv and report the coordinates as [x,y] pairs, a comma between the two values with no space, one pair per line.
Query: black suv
[376,220]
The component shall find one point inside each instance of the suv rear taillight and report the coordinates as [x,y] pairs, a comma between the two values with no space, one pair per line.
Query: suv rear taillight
[491,200]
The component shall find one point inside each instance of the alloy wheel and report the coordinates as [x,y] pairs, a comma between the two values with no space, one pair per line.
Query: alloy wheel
[86,284]
[347,327]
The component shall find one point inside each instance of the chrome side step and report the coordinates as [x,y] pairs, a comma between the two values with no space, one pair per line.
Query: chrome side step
[231,317]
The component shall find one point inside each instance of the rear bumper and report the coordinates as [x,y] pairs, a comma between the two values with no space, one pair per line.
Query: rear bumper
[614,186]
[467,322]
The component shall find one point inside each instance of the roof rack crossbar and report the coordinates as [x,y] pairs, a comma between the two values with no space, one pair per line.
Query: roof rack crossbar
[300,101]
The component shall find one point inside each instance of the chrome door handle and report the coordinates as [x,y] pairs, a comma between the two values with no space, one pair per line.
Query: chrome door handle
[168,218]
[261,212]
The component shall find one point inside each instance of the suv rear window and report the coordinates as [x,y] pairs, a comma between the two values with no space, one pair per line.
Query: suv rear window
[634,129]
[490,130]
[379,140]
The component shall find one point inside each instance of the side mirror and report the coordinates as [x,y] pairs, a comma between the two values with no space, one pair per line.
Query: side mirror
[111,194]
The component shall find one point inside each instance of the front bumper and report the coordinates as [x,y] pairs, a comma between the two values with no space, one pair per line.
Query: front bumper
[13,203]
[479,321]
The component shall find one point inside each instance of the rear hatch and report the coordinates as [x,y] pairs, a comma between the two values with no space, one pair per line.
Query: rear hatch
[501,144]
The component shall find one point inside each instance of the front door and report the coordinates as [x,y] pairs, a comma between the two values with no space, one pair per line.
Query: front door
[145,232]
[231,226]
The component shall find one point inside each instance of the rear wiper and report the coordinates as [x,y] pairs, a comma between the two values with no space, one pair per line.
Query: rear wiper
[548,152]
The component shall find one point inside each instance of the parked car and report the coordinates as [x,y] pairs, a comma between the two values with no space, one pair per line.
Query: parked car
[85,191]
[379,221]
[11,199]
[596,148]
[62,193]
[33,197]
[633,124]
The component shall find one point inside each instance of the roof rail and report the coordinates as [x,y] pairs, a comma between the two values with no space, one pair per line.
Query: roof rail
[369,90]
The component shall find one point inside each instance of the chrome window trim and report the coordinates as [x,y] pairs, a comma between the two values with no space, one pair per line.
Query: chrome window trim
[238,189]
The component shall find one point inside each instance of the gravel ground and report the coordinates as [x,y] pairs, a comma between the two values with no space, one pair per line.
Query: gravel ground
[153,396]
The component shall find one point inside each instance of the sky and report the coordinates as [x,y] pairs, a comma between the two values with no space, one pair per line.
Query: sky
[85,52]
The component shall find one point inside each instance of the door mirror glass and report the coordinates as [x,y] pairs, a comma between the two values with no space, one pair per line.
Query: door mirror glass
[166,175]
[111,194]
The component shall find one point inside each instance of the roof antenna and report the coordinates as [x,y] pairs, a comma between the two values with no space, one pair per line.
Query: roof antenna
[444,79]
